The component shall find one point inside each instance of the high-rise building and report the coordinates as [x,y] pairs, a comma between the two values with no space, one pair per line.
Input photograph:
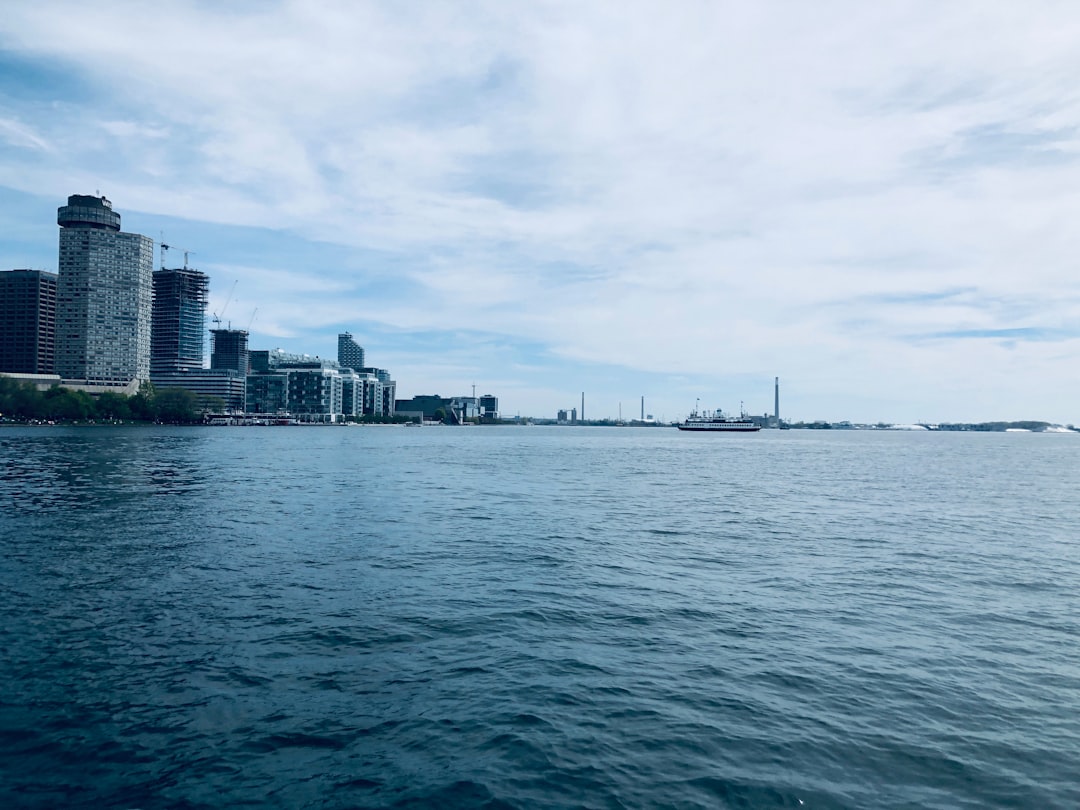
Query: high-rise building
[229,350]
[27,321]
[179,322]
[104,295]
[350,354]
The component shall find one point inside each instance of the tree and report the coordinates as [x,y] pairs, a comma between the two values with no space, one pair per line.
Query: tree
[65,404]
[19,400]
[142,403]
[111,405]
[176,405]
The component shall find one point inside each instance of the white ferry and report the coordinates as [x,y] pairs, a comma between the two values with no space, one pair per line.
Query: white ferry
[717,423]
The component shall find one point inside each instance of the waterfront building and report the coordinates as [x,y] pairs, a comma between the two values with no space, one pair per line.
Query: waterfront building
[465,407]
[350,354]
[427,404]
[104,296]
[216,388]
[229,350]
[268,392]
[176,345]
[374,399]
[313,389]
[385,398]
[352,393]
[388,394]
[314,394]
[27,321]
[489,407]
[179,323]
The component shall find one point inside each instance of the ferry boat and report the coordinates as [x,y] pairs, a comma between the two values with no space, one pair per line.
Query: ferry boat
[717,423]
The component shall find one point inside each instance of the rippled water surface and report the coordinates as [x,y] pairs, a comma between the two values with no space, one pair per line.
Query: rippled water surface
[531,617]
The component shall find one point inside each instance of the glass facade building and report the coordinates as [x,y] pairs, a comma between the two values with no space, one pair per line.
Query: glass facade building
[179,322]
[27,321]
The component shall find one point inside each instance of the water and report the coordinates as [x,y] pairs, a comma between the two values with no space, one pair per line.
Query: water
[538,618]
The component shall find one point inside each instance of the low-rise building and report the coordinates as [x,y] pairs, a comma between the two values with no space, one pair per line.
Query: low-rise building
[209,385]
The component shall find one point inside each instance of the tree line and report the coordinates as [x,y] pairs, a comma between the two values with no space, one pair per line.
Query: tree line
[23,402]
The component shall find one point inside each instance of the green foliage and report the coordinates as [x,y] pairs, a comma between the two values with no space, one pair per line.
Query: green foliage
[23,402]
[63,404]
[141,405]
[19,400]
[176,406]
[113,406]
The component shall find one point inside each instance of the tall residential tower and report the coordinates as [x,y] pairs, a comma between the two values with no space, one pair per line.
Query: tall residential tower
[27,321]
[179,323]
[104,296]
[350,354]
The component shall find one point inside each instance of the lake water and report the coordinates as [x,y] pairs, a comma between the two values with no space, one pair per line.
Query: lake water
[532,617]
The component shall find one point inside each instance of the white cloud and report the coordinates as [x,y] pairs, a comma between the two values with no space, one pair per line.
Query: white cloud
[19,135]
[702,189]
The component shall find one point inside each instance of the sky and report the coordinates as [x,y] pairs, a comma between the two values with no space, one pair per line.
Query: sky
[875,202]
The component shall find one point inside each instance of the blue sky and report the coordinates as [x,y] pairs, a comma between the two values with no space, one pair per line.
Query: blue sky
[875,202]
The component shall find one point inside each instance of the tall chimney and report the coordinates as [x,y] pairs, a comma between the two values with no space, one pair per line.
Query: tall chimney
[776,403]
[582,406]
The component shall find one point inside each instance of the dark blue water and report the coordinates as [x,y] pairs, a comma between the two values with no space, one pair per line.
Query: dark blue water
[538,618]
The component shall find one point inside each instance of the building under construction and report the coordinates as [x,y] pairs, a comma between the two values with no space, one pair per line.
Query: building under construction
[179,322]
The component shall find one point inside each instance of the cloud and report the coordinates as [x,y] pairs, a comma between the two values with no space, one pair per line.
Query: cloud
[706,190]
[20,135]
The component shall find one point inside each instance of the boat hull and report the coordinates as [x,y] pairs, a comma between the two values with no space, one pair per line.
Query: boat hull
[717,426]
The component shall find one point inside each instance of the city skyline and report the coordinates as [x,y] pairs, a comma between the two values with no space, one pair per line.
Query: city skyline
[602,198]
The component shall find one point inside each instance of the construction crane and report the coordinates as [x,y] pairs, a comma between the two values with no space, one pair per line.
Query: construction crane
[165,247]
[217,317]
[253,314]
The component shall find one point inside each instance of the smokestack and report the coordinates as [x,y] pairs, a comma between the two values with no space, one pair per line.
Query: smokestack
[776,403]
[642,407]
[582,406]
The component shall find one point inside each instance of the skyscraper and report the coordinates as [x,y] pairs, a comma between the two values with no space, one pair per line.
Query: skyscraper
[229,350]
[104,295]
[27,321]
[350,354]
[179,322]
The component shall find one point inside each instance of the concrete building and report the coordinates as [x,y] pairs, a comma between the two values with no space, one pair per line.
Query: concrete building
[104,296]
[386,402]
[315,390]
[229,350]
[350,354]
[27,321]
[216,389]
[465,407]
[314,394]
